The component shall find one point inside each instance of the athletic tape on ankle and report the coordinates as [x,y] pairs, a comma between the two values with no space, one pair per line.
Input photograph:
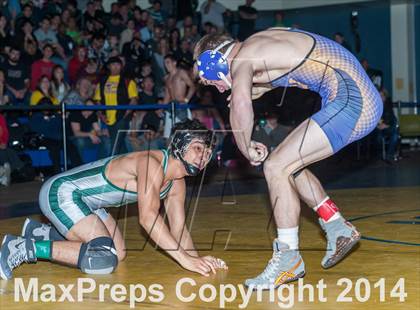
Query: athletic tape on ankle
[326,209]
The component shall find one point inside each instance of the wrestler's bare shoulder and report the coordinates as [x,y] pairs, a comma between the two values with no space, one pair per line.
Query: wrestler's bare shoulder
[130,162]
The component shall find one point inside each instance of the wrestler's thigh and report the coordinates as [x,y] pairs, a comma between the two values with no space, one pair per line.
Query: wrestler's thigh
[305,145]
[88,228]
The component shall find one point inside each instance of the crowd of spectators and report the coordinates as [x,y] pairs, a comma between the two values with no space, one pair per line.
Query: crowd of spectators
[75,53]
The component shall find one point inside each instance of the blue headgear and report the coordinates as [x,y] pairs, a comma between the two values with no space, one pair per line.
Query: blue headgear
[213,65]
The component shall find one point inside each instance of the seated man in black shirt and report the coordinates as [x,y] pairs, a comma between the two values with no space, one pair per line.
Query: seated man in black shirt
[17,78]
[87,133]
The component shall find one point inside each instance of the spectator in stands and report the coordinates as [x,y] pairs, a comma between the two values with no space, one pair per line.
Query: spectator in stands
[46,36]
[339,38]
[247,17]
[270,132]
[24,35]
[91,72]
[174,40]
[387,128]
[279,19]
[55,22]
[41,67]
[66,42]
[60,88]
[73,30]
[116,90]
[25,16]
[170,23]
[146,96]
[133,52]
[158,62]
[144,71]
[82,91]
[115,26]
[152,43]
[184,55]
[137,17]
[375,75]
[127,34]
[208,113]
[97,50]
[5,37]
[186,22]
[212,11]
[156,12]
[4,99]
[124,11]
[143,20]
[17,78]
[87,132]
[147,31]
[30,54]
[149,138]
[76,63]
[65,17]
[43,93]
[112,45]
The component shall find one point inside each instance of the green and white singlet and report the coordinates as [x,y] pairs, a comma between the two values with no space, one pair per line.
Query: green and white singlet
[70,196]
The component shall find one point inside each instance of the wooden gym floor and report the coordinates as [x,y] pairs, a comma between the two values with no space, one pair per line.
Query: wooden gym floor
[241,234]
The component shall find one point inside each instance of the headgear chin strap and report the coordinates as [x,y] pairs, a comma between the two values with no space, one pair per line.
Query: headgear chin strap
[181,140]
[213,65]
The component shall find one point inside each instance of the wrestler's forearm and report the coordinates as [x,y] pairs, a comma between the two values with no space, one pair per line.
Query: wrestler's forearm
[155,226]
[187,243]
[242,121]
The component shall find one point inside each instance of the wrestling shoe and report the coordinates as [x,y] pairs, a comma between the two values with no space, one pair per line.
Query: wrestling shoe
[285,266]
[13,252]
[35,230]
[38,231]
[341,238]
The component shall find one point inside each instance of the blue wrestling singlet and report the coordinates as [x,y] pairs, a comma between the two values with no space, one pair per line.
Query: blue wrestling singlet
[351,105]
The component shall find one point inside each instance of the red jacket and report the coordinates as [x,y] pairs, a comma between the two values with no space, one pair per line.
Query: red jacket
[40,68]
[74,67]
[4,132]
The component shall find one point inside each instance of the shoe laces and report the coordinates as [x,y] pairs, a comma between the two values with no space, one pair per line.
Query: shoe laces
[272,268]
[18,258]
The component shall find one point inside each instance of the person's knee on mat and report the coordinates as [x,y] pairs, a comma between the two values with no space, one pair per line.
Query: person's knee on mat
[98,256]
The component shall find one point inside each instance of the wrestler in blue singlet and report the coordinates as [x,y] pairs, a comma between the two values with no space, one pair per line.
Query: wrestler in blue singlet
[351,105]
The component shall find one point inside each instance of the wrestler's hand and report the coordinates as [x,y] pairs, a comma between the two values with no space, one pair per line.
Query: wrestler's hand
[202,265]
[258,152]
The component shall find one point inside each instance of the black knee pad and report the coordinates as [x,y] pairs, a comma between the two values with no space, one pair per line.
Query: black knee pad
[98,256]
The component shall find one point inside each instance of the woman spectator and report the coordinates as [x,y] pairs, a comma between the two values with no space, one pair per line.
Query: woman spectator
[60,88]
[43,93]
[78,62]
[174,40]
[87,132]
